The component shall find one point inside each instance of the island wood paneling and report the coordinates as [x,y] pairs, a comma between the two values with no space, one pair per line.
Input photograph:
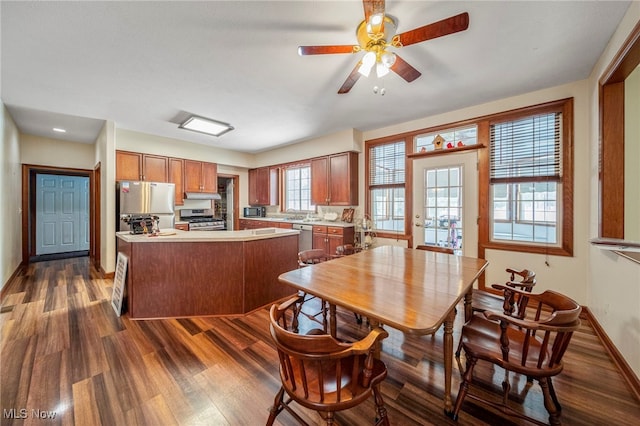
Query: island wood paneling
[183,279]
[264,260]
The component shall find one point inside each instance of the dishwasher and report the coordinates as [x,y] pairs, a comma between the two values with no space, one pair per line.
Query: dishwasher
[305,239]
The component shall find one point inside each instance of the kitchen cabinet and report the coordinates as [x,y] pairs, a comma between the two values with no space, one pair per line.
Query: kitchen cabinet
[334,180]
[138,166]
[181,226]
[263,186]
[200,176]
[176,176]
[328,238]
[256,224]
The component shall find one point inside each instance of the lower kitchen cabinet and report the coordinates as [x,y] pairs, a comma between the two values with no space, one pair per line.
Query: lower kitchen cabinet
[329,238]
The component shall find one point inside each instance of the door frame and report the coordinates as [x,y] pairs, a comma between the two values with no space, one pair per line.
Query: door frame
[236,198]
[469,160]
[29,172]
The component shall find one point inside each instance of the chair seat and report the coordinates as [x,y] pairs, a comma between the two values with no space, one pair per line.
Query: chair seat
[348,395]
[481,339]
[483,300]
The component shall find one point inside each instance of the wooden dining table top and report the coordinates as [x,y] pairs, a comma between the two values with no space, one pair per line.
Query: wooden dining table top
[407,289]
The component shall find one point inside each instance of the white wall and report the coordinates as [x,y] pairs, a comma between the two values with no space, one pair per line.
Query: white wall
[10,208]
[342,141]
[42,151]
[105,155]
[613,285]
[567,275]
[129,140]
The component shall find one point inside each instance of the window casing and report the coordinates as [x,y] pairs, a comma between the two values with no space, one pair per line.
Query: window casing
[525,176]
[386,186]
[528,176]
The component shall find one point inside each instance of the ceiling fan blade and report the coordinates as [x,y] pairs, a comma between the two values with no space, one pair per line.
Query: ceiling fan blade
[324,50]
[437,29]
[404,70]
[351,80]
[372,7]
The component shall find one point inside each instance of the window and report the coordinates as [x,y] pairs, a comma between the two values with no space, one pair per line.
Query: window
[452,138]
[386,184]
[443,207]
[530,180]
[524,171]
[298,188]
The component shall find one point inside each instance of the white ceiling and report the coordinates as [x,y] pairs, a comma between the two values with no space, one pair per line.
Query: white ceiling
[144,65]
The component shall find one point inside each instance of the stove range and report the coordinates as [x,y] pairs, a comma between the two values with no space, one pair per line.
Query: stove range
[202,220]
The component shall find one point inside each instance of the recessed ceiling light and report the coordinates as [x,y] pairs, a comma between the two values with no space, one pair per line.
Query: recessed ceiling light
[205,125]
[59,130]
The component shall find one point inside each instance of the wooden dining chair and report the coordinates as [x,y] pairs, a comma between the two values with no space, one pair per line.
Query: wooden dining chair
[532,346]
[511,303]
[346,250]
[323,374]
[306,258]
[430,247]
[508,302]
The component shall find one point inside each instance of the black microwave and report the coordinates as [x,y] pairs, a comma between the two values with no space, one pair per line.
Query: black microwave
[255,212]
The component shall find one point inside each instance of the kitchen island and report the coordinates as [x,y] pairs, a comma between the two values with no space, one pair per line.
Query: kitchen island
[187,274]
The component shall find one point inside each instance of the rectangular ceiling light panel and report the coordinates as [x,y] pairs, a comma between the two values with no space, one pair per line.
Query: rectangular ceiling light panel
[206,126]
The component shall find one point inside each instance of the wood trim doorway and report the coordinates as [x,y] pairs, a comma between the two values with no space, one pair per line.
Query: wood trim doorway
[29,172]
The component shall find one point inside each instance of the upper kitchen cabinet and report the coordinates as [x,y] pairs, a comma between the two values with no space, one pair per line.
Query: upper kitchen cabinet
[176,176]
[138,166]
[263,186]
[334,180]
[200,176]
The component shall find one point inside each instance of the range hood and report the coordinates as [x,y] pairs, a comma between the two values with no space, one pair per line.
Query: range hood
[201,196]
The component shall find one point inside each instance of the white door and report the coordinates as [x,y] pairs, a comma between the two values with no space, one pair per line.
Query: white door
[62,214]
[455,223]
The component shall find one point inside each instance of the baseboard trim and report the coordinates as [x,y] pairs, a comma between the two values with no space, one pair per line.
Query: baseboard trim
[107,275]
[627,373]
[12,279]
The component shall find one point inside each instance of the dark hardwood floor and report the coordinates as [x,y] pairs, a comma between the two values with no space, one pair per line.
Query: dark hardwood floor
[67,359]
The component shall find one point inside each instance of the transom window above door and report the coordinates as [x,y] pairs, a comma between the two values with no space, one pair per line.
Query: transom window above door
[446,139]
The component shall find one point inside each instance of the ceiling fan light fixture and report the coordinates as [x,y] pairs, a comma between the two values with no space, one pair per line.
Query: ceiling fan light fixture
[368,61]
[374,26]
[205,125]
[388,59]
[381,69]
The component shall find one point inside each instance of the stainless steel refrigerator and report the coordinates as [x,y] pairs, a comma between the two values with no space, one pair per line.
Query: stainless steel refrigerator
[145,198]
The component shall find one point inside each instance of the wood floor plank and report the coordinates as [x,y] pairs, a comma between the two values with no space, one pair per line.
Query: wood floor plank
[176,400]
[85,405]
[63,348]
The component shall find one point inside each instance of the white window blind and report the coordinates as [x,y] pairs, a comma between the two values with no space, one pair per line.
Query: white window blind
[526,149]
[387,164]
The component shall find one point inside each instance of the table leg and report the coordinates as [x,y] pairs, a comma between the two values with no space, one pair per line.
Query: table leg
[448,360]
[333,326]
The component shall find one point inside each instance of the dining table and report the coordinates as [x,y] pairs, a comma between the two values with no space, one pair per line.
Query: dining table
[414,291]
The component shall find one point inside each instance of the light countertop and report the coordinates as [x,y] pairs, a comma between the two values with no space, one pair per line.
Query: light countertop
[301,221]
[176,235]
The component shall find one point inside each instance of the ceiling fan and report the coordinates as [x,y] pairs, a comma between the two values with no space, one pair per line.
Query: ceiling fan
[376,35]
